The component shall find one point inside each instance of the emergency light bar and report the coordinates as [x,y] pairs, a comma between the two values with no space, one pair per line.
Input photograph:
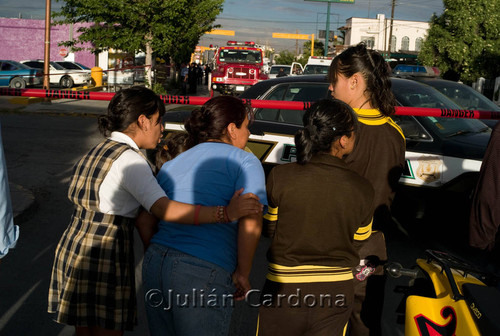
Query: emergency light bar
[321,57]
[247,43]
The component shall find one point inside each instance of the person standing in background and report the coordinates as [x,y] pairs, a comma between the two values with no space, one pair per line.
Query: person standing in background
[9,233]
[192,78]
[361,78]
[208,70]
[184,78]
[485,211]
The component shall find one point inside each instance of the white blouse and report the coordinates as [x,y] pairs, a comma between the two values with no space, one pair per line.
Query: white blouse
[129,183]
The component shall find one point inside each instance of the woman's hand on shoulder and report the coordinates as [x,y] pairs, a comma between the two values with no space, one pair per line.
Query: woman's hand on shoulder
[243,205]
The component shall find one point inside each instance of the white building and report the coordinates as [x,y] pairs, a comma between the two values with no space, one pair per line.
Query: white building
[407,36]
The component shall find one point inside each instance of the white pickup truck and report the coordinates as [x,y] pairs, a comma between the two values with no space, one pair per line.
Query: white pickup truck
[317,65]
[288,70]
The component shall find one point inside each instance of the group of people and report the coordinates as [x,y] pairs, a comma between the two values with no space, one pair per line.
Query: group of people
[200,218]
[193,75]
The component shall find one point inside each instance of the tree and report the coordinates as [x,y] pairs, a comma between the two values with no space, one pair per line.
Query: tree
[464,42]
[284,57]
[165,27]
[319,49]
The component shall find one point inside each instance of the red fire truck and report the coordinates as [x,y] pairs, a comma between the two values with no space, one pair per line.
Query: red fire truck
[236,67]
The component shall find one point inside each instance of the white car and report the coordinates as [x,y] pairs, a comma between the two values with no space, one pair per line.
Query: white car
[289,70]
[59,75]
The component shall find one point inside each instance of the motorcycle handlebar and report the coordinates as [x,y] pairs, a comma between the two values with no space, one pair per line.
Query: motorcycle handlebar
[396,270]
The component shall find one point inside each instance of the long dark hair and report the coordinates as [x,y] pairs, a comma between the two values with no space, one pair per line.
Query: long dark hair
[324,122]
[375,71]
[211,121]
[126,106]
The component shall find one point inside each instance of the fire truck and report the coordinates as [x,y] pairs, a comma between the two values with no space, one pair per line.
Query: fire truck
[236,67]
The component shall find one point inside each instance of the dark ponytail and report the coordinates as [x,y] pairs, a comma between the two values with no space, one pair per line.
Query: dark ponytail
[211,121]
[324,122]
[375,71]
[126,106]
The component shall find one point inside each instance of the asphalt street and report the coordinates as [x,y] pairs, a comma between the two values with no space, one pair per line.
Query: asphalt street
[42,143]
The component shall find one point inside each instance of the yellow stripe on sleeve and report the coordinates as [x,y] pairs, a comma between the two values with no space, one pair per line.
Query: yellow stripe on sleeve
[364,232]
[272,214]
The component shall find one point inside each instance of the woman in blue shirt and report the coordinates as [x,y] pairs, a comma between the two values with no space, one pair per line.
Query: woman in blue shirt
[190,274]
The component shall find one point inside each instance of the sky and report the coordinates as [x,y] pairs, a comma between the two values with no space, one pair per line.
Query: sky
[256,20]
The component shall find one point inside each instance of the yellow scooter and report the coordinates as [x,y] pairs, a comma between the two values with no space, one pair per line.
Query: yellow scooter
[449,297]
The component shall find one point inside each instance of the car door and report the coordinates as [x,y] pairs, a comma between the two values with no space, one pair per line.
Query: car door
[302,92]
[6,73]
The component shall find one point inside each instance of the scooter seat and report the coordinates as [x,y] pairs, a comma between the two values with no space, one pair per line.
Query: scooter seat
[484,305]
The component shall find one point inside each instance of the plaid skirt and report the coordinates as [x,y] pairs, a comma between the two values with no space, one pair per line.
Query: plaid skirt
[93,280]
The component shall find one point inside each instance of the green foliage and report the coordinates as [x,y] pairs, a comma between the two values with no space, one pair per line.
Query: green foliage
[169,27]
[319,49]
[464,42]
[159,89]
[285,57]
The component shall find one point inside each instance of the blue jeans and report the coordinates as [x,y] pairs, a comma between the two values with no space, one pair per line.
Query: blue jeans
[185,295]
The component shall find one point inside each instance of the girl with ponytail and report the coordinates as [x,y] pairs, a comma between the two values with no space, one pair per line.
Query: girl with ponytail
[320,208]
[361,78]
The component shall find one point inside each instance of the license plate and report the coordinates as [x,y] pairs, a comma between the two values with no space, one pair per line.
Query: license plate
[240,88]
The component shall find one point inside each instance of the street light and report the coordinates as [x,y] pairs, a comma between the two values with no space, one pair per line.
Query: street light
[328,18]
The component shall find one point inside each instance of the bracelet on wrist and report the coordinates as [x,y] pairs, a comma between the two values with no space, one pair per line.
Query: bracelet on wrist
[226,216]
[220,215]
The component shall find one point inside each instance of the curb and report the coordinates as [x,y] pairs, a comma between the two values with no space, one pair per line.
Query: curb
[36,100]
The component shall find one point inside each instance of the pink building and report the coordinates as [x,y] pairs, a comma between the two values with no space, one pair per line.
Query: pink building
[24,39]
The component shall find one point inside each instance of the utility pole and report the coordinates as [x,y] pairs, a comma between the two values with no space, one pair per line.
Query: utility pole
[390,29]
[296,44]
[46,69]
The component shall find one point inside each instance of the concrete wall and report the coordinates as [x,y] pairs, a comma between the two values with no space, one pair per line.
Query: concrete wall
[24,39]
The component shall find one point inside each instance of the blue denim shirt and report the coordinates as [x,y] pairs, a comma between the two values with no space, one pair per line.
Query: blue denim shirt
[9,233]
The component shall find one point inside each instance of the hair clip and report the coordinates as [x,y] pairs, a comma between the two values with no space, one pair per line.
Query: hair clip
[334,129]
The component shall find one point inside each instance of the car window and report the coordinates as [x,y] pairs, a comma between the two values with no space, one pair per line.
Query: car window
[449,127]
[6,66]
[84,67]
[412,129]
[313,69]
[36,65]
[414,94]
[468,98]
[57,66]
[69,65]
[291,92]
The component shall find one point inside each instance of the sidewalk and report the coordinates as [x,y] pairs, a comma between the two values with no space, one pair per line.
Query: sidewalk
[23,199]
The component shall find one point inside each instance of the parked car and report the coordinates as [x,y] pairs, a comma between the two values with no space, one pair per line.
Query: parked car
[73,66]
[59,75]
[16,75]
[415,70]
[454,146]
[443,155]
[463,95]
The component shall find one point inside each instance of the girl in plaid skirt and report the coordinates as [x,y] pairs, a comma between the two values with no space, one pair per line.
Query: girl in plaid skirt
[92,285]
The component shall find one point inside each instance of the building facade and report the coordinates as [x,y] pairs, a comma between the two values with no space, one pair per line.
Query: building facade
[24,39]
[407,36]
